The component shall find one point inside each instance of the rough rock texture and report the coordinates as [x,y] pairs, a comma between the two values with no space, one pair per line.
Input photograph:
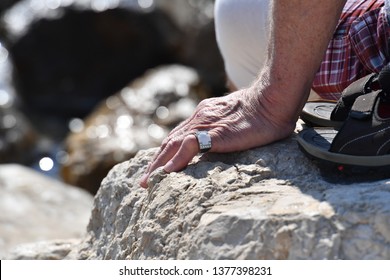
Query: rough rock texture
[36,208]
[266,203]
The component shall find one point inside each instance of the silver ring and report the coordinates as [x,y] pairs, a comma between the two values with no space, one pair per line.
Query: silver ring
[204,140]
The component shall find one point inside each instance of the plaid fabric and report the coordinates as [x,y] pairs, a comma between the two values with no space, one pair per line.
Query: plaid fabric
[358,48]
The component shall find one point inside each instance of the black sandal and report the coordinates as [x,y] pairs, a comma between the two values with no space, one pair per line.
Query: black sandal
[362,140]
[332,113]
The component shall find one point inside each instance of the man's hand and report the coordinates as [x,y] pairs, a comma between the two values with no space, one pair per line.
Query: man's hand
[235,122]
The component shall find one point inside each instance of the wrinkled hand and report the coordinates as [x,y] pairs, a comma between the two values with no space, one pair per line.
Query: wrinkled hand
[235,122]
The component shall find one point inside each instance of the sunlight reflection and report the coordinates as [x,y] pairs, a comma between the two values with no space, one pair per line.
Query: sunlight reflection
[5,99]
[46,164]
[8,121]
[162,112]
[102,5]
[53,4]
[102,131]
[124,122]
[156,131]
[3,54]
[145,4]
[19,16]
[76,125]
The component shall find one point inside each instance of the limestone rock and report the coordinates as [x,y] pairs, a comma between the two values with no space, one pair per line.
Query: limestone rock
[70,60]
[265,203]
[17,136]
[35,208]
[44,250]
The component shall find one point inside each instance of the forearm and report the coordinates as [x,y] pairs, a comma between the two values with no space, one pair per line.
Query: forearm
[300,33]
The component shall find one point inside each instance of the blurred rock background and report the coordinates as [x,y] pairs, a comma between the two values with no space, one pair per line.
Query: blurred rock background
[85,84]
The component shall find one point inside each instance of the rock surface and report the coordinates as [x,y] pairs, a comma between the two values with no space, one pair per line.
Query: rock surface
[36,208]
[266,203]
[43,250]
[17,136]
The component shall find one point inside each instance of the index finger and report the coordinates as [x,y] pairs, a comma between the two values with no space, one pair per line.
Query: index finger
[175,156]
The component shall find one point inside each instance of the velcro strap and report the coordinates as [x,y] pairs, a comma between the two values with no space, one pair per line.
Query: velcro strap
[349,95]
[359,87]
[364,105]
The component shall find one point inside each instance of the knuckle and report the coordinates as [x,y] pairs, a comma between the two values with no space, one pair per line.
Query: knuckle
[202,103]
[202,114]
[174,143]
[164,143]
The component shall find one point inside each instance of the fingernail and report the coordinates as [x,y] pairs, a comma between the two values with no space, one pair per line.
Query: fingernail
[143,181]
[168,167]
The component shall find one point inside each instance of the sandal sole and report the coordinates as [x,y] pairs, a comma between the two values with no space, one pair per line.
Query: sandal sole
[316,142]
[317,113]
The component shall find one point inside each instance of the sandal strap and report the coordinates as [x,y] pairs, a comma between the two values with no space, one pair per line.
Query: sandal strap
[350,94]
[364,106]
[364,133]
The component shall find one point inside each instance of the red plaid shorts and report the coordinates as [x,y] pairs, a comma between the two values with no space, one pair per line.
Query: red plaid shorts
[359,47]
